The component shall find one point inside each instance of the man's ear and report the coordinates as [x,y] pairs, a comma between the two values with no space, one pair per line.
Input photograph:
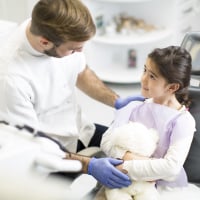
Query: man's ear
[46,44]
[173,87]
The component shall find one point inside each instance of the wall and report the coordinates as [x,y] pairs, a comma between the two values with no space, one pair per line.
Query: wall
[16,10]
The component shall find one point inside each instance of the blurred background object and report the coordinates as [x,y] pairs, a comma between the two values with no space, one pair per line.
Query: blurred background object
[138,26]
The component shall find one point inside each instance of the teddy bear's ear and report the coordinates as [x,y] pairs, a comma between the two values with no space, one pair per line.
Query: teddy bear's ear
[154,134]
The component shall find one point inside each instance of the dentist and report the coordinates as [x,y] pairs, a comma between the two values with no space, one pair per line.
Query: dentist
[41,65]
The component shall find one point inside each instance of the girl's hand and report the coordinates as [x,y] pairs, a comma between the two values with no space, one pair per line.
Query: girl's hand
[130,156]
[134,156]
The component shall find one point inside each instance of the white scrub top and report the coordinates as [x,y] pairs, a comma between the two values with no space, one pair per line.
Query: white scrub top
[39,90]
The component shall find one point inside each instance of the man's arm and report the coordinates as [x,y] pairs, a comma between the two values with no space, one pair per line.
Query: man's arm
[103,169]
[90,84]
[83,159]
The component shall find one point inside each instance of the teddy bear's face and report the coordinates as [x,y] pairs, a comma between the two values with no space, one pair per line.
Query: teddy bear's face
[135,137]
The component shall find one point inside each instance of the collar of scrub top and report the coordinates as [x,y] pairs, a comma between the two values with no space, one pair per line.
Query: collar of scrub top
[37,133]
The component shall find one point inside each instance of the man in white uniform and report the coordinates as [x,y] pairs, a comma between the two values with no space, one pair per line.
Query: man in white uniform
[40,66]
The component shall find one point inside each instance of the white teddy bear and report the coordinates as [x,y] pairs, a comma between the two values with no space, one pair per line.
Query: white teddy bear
[134,137]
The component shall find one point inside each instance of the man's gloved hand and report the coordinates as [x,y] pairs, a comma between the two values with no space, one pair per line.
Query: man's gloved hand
[121,102]
[103,169]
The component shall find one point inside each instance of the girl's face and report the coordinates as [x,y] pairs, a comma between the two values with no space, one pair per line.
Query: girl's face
[153,85]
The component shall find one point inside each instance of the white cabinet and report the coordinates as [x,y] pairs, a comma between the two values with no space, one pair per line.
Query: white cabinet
[127,30]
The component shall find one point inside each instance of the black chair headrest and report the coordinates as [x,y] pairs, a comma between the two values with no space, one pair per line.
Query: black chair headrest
[191,43]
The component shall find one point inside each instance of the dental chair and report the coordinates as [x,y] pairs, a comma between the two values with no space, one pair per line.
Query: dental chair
[191,42]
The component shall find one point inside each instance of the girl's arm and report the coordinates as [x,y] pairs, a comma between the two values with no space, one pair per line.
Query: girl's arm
[147,169]
[168,167]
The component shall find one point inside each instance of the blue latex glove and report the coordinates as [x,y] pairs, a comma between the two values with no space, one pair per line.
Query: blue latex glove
[103,169]
[121,102]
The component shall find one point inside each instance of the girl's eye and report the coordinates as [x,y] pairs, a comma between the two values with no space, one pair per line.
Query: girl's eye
[152,76]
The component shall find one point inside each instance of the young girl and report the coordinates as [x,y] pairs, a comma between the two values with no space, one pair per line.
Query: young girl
[164,83]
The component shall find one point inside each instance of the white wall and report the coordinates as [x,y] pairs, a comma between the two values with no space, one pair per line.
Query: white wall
[16,10]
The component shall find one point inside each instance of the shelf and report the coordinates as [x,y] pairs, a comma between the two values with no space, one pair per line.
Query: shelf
[108,53]
[133,38]
[120,75]
[112,60]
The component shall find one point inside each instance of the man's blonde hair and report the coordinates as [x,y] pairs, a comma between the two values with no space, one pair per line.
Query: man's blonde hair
[60,21]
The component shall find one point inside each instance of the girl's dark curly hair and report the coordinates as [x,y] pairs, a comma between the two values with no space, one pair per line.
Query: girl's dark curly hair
[174,64]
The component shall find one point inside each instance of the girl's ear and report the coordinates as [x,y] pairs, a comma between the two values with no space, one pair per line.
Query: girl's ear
[173,87]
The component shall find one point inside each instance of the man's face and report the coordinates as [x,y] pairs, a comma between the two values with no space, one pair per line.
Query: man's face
[65,49]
